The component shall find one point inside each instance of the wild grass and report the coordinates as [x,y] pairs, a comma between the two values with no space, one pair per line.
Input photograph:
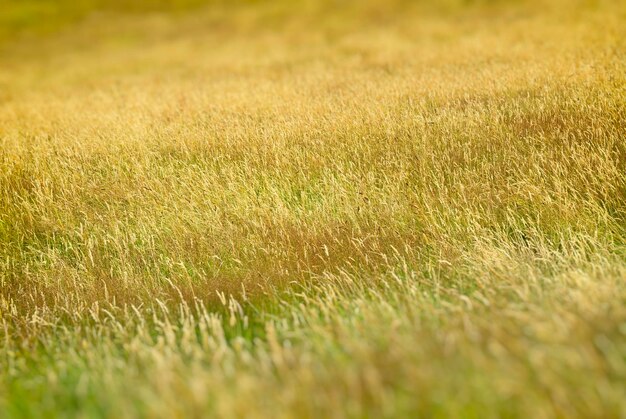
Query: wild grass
[313,209]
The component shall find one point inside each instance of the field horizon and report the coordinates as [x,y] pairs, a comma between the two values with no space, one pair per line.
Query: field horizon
[312,208]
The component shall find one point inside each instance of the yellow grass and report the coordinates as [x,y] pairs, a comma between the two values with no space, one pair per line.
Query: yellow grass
[313,209]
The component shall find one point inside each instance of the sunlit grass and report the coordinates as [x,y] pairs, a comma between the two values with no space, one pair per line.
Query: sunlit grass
[267,209]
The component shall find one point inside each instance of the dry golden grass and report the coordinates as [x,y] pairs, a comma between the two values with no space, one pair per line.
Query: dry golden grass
[313,209]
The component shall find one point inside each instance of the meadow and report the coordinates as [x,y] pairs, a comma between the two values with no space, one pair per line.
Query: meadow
[303,209]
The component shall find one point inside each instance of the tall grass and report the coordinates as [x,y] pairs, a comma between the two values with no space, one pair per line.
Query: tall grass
[370,210]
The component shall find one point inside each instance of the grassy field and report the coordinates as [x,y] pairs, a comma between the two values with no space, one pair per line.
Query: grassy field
[312,209]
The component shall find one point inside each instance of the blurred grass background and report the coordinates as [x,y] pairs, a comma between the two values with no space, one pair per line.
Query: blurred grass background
[45,17]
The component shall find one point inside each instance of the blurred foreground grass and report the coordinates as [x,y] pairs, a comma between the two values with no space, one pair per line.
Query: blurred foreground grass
[313,209]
